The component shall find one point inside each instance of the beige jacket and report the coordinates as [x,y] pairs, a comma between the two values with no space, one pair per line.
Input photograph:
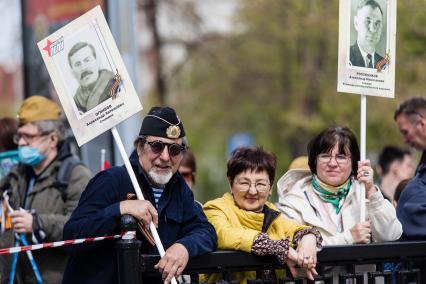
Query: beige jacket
[297,201]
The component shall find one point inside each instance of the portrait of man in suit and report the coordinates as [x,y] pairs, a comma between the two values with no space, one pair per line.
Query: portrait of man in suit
[368,23]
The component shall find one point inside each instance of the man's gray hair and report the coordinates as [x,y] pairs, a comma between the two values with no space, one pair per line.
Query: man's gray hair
[76,47]
[49,126]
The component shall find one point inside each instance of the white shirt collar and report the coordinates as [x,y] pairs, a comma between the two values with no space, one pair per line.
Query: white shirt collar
[364,56]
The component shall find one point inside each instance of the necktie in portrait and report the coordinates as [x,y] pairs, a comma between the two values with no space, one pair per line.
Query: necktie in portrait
[369,61]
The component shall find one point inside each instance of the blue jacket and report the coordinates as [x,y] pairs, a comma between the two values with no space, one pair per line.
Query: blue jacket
[98,214]
[411,209]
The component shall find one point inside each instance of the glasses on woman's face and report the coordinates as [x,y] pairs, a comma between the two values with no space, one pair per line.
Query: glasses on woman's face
[341,160]
[174,149]
[261,186]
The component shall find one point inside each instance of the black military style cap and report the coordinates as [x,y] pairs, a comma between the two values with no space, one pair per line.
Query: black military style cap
[162,122]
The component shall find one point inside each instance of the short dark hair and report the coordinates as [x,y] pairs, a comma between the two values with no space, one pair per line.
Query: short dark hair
[388,155]
[251,158]
[8,128]
[76,47]
[372,3]
[399,189]
[412,106]
[327,139]
[188,161]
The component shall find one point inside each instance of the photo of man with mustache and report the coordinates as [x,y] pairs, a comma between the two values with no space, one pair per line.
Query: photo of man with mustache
[94,82]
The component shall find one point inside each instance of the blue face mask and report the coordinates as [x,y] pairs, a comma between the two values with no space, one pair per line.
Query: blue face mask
[30,156]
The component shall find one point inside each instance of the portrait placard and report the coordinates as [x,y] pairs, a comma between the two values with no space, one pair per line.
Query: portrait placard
[367,35]
[89,76]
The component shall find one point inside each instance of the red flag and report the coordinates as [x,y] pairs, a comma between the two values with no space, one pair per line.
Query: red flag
[106,165]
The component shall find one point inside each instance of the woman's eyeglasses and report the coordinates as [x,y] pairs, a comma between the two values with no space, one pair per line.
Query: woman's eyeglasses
[261,186]
[174,149]
[340,159]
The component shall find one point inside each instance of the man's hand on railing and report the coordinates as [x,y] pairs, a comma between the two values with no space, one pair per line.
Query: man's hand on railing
[143,210]
[173,262]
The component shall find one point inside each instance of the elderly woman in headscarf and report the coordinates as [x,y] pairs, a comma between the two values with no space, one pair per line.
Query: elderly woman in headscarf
[244,220]
[328,196]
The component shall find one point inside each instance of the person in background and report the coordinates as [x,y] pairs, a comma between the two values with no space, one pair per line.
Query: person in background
[8,158]
[188,168]
[300,163]
[398,191]
[327,195]
[410,116]
[394,165]
[42,199]
[244,220]
[8,148]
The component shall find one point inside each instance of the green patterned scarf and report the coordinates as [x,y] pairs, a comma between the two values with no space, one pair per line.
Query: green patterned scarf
[331,194]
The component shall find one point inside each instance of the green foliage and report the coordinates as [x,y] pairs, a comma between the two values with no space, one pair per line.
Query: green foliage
[276,79]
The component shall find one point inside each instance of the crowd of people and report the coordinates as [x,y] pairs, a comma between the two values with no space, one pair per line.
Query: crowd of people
[47,195]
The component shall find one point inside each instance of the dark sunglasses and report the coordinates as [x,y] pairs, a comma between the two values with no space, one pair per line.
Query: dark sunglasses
[174,149]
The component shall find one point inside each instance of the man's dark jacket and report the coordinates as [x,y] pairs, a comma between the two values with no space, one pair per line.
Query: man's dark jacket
[180,220]
[356,58]
[411,209]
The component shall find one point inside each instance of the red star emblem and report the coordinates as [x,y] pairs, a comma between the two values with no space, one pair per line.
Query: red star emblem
[47,47]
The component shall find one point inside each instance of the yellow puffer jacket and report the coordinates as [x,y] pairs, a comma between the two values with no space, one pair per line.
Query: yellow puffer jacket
[237,228]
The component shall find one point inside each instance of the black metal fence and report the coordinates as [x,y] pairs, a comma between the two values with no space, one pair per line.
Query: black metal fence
[407,259]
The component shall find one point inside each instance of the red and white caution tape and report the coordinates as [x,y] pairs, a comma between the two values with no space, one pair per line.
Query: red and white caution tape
[127,235]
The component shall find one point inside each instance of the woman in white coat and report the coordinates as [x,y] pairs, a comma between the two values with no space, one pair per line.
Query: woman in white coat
[327,197]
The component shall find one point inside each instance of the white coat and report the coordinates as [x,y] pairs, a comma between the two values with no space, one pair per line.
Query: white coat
[299,202]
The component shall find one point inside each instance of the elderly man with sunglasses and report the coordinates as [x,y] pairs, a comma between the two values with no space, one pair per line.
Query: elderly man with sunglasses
[182,226]
[410,116]
[41,196]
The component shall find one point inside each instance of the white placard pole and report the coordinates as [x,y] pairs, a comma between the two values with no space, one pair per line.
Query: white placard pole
[363,147]
[138,191]
[103,153]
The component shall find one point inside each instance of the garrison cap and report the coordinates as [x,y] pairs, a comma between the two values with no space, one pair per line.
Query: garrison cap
[162,122]
[37,108]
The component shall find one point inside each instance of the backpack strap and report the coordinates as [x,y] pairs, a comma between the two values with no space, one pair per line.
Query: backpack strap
[64,174]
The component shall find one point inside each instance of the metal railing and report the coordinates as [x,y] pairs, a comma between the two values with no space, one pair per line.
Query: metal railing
[409,257]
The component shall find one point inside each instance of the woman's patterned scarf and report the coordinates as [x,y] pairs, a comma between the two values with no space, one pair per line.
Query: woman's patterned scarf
[331,194]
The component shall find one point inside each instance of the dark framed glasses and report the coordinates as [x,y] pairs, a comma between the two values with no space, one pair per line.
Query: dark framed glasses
[29,138]
[174,149]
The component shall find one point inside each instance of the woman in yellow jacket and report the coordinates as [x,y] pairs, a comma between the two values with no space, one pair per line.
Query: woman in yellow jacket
[245,221]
